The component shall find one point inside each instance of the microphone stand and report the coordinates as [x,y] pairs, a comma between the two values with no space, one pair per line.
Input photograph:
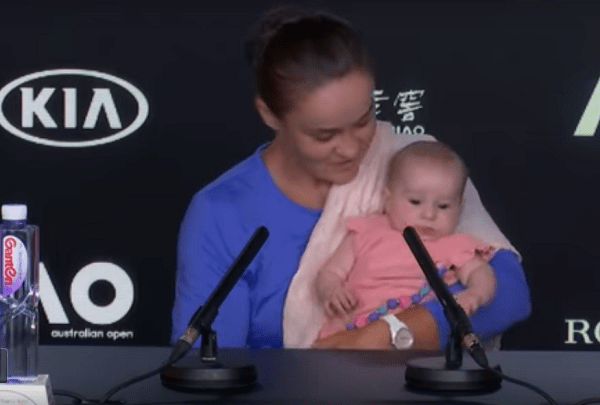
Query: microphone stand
[210,371]
[207,371]
[449,374]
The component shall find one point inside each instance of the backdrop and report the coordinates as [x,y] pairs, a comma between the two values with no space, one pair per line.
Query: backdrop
[113,114]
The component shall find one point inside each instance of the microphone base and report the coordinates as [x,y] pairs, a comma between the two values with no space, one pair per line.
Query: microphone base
[430,374]
[192,374]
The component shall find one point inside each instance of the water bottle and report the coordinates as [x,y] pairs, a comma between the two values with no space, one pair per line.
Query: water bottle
[20,293]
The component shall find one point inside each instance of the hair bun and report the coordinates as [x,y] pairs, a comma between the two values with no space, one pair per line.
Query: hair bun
[268,27]
[295,49]
[271,24]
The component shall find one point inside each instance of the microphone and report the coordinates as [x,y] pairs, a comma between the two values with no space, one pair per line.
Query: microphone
[205,314]
[456,315]
[209,374]
[448,374]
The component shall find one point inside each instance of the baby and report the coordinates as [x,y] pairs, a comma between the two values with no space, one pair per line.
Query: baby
[373,272]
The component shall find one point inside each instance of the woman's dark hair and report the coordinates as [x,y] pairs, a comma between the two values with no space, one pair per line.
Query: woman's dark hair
[295,49]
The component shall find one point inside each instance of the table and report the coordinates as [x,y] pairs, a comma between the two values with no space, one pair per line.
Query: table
[315,376]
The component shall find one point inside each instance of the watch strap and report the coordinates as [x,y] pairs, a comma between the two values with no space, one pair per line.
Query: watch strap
[396,325]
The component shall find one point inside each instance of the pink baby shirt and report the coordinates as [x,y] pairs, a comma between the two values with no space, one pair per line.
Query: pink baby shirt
[385,269]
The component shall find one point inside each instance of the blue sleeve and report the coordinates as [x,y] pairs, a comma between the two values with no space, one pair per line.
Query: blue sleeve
[205,250]
[510,304]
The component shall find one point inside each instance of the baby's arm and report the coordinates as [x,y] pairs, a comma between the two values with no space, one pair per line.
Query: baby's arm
[329,283]
[478,278]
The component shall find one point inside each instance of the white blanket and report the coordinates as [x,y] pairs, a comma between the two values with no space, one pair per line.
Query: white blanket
[302,316]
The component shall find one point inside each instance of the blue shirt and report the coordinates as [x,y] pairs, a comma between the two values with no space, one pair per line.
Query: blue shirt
[219,222]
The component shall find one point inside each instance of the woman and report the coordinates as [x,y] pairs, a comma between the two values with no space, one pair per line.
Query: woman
[314,82]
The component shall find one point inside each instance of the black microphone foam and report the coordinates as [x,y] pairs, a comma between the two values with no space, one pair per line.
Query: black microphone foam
[454,313]
[205,314]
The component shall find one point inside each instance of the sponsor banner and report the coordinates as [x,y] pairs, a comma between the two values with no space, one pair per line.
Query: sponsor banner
[582,332]
[588,124]
[111,121]
[406,106]
[78,108]
[93,313]
[63,108]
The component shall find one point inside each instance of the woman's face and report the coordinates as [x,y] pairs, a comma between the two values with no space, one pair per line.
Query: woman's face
[329,129]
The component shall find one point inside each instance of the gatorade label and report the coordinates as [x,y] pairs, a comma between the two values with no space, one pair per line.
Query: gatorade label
[14,264]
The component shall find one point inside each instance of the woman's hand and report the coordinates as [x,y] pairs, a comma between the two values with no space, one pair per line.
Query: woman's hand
[377,334]
[469,301]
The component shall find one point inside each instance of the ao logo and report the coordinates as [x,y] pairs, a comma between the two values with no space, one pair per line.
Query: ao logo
[591,115]
[38,106]
[80,298]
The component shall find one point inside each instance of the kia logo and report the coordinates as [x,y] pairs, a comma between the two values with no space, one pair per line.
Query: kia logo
[71,108]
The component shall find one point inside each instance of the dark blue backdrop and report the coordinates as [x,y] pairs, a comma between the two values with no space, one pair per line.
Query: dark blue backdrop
[506,84]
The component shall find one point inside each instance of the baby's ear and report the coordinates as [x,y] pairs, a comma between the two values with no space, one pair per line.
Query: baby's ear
[386,196]
[461,203]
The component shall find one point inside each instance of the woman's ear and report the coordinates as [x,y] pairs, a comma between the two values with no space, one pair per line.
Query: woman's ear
[266,114]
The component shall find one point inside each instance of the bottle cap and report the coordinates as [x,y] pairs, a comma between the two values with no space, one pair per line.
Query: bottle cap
[14,212]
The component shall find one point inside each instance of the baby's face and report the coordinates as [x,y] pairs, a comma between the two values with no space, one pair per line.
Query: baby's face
[427,196]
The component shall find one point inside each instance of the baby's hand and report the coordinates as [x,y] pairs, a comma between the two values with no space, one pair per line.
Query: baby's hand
[468,300]
[341,302]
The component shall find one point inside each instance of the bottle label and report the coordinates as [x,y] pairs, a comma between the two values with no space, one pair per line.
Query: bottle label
[14,264]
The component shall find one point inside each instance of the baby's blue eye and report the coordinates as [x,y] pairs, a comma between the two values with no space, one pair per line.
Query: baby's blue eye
[443,206]
[414,202]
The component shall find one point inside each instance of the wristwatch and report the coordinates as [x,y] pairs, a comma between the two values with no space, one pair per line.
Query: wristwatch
[402,337]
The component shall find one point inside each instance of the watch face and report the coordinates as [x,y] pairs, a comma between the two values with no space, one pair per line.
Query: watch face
[403,339]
